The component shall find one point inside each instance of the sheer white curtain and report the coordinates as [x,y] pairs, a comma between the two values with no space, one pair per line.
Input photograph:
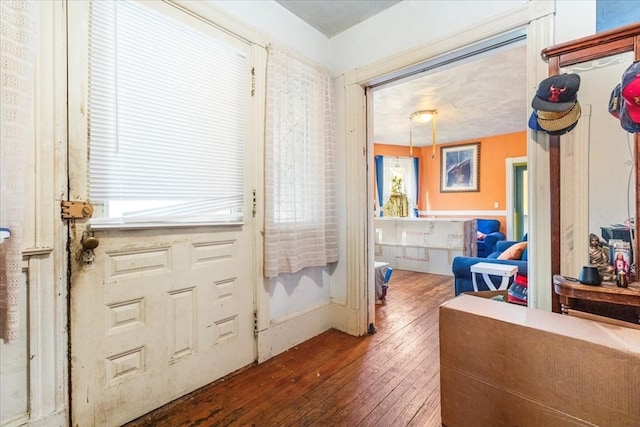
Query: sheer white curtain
[301,227]
[18,44]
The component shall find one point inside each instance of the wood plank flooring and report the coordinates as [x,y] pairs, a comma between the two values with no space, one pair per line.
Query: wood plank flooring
[390,378]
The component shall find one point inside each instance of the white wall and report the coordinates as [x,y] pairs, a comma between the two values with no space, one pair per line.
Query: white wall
[292,292]
[574,19]
[413,23]
[278,24]
[407,25]
[288,293]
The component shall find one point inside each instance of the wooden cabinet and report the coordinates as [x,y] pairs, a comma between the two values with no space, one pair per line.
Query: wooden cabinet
[607,299]
[571,231]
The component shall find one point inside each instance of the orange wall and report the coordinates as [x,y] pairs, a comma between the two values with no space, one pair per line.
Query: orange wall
[493,152]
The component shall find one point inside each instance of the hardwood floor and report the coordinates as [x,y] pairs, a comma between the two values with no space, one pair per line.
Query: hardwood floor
[390,378]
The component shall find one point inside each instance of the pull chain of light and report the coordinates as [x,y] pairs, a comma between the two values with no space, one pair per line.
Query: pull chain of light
[411,136]
[434,115]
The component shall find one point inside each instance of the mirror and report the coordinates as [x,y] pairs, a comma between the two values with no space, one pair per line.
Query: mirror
[610,148]
[598,191]
[601,49]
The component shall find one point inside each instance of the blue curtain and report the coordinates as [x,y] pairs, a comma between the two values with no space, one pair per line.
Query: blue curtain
[380,181]
[416,164]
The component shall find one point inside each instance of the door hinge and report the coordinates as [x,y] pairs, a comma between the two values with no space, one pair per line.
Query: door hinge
[254,203]
[253,81]
[255,323]
[75,209]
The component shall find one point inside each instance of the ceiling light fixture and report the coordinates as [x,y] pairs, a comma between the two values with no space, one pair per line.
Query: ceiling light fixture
[423,116]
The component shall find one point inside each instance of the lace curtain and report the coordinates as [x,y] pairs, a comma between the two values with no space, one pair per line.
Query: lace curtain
[301,226]
[18,29]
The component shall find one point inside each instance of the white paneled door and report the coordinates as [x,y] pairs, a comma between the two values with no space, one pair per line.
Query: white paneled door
[156,311]
[155,316]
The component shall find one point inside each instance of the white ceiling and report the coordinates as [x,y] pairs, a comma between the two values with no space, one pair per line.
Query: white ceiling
[480,96]
[332,17]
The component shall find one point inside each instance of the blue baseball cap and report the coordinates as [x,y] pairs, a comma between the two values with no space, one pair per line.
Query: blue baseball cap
[533,122]
[615,101]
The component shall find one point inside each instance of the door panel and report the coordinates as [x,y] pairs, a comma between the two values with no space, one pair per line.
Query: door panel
[156,316]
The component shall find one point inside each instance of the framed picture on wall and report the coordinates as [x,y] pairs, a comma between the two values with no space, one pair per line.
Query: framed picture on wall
[460,168]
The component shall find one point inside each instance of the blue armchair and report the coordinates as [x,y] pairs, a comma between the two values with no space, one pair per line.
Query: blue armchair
[461,267]
[491,230]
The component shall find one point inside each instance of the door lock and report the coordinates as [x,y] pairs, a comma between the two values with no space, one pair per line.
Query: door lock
[76,209]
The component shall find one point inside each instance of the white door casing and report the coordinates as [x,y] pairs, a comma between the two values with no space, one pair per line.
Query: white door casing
[537,17]
[160,311]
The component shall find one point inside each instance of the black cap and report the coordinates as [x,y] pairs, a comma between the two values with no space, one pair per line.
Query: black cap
[614,102]
[557,93]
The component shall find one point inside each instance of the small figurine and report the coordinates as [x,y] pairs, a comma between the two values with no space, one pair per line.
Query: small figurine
[398,204]
[599,257]
[620,264]
[397,185]
[622,270]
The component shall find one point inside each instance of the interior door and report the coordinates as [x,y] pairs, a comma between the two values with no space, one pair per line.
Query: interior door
[155,312]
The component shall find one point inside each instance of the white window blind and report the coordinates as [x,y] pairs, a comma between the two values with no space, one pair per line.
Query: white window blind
[166,118]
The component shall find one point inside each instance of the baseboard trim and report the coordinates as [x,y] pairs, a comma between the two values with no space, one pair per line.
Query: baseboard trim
[283,334]
[345,319]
